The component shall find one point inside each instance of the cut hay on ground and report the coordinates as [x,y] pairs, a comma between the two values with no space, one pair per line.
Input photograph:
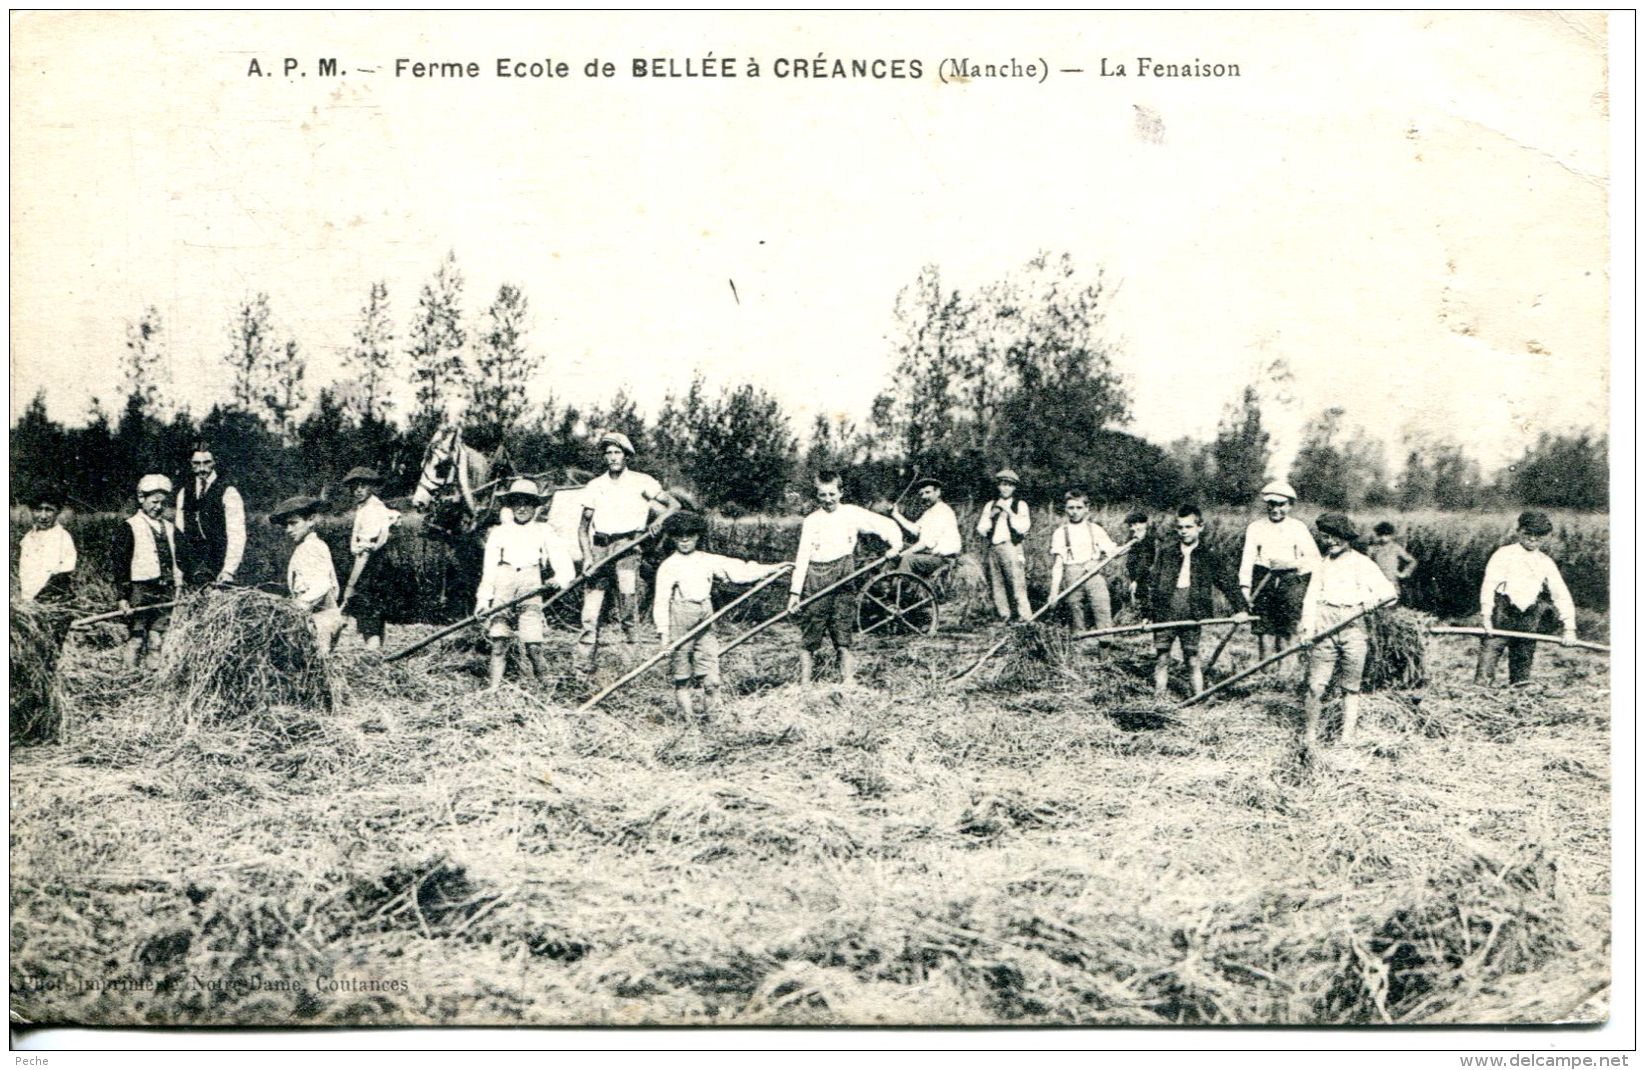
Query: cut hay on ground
[234,652]
[36,696]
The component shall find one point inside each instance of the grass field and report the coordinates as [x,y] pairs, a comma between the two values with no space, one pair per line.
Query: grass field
[899,852]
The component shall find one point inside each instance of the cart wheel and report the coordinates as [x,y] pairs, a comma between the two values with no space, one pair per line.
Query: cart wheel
[897,603]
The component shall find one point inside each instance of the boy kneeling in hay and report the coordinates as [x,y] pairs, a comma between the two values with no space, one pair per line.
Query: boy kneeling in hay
[515,552]
[1343,584]
[685,584]
[310,576]
[1522,592]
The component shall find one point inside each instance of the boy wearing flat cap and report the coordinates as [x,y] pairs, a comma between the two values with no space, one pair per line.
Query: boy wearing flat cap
[516,550]
[310,576]
[1522,592]
[684,599]
[1004,523]
[1278,558]
[617,506]
[146,570]
[363,597]
[1345,582]
[937,539]
[1139,559]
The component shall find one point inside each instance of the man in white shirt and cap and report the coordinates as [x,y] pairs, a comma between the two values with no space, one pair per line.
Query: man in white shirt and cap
[1344,583]
[1003,525]
[1523,591]
[46,558]
[937,540]
[211,518]
[146,571]
[1278,558]
[826,555]
[618,505]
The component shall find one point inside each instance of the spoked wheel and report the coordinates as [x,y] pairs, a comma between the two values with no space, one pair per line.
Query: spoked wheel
[897,603]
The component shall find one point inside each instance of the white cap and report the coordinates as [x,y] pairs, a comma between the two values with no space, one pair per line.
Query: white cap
[1279,489]
[151,483]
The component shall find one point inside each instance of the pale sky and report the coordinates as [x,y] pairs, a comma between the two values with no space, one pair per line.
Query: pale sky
[1409,209]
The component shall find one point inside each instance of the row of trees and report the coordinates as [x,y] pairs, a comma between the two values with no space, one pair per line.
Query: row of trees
[1020,368]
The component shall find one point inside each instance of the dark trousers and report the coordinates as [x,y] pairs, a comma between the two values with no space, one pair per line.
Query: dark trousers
[1541,618]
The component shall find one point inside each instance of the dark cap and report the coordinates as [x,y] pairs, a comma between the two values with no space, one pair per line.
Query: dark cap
[926,481]
[1338,525]
[683,524]
[361,474]
[1136,518]
[1533,522]
[301,505]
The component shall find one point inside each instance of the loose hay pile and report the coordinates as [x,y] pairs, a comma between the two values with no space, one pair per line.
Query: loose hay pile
[1038,656]
[1394,659]
[237,652]
[36,697]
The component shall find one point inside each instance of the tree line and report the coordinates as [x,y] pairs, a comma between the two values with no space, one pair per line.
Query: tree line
[1021,369]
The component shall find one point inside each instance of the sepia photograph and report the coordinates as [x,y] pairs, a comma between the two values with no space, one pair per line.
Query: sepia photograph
[802,519]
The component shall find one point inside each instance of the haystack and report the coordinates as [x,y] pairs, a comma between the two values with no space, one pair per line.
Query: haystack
[36,697]
[240,651]
[1394,657]
[1038,657]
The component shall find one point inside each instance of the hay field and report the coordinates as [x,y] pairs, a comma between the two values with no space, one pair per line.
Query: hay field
[891,853]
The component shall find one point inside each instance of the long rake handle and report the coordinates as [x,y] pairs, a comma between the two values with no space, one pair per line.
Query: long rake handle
[1162,626]
[1498,633]
[1283,654]
[117,614]
[1221,646]
[1050,604]
[786,613]
[475,618]
[640,670]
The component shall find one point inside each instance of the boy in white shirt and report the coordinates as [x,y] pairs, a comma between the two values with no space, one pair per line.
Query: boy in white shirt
[826,555]
[373,524]
[516,550]
[46,559]
[1522,592]
[1079,547]
[1280,550]
[146,570]
[684,599]
[1004,523]
[1344,583]
[310,575]
[617,506]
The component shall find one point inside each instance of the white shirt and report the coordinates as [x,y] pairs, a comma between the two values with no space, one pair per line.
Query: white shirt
[514,547]
[620,505]
[1521,574]
[1287,544]
[1081,543]
[1014,517]
[1185,574]
[565,513]
[43,555]
[938,530]
[234,522]
[826,536]
[1349,580]
[691,577]
[310,576]
[372,523]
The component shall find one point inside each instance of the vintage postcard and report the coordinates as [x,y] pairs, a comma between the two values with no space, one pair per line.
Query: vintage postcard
[813,519]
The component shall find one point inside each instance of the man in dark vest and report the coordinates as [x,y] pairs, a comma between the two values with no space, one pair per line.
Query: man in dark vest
[211,518]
